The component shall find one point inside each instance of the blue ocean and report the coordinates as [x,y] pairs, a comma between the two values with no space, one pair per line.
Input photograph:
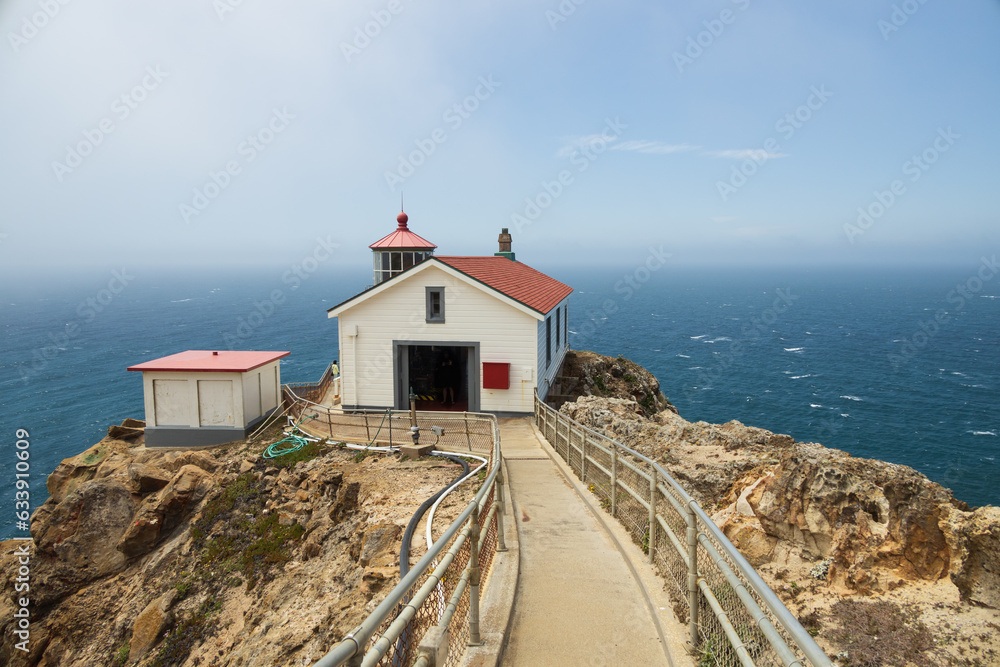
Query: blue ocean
[901,365]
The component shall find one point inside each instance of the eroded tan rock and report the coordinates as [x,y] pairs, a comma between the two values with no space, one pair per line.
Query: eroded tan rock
[160,513]
[310,598]
[976,566]
[586,373]
[379,543]
[76,470]
[150,624]
[174,461]
[146,478]
[879,523]
[75,538]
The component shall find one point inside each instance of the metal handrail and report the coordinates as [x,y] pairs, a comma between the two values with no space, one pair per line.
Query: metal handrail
[321,386]
[301,399]
[705,529]
[353,646]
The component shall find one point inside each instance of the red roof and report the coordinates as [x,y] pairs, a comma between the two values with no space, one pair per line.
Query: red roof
[519,281]
[207,361]
[403,238]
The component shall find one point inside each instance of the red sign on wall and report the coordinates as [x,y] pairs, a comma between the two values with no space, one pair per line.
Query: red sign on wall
[496,375]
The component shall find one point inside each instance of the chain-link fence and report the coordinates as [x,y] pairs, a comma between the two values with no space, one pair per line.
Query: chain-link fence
[732,615]
[439,596]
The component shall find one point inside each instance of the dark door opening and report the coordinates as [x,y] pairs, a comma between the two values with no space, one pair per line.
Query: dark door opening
[439,376]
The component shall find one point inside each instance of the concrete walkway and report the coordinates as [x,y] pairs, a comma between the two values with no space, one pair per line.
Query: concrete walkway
[581,598]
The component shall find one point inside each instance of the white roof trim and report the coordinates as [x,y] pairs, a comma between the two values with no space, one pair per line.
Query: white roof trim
[455,273]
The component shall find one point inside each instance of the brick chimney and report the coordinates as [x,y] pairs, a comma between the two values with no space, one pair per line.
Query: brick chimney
[505,240]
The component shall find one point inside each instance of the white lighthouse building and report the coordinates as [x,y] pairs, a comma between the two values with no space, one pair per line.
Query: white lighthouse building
[477,333]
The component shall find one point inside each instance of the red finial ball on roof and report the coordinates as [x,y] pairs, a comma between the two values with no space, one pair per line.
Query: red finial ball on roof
[401,219]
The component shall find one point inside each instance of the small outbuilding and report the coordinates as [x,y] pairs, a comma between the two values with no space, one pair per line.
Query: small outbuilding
[199,398]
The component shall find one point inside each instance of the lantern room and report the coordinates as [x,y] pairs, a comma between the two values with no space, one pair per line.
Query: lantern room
[398,251]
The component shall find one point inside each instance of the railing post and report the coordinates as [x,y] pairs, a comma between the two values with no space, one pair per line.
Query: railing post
[556,423]
[583,455]
[569,439]
[569,436]
[498,499]
[329,421]
[555,430]
[565,440]
[569,445]
[614,479]
[474,638]
[692,544]
[652,513]
[541,420]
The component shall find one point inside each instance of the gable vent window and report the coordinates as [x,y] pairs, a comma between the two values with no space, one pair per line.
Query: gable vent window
[435,304]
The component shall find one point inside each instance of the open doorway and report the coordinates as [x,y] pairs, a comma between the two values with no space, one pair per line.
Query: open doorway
[444,376]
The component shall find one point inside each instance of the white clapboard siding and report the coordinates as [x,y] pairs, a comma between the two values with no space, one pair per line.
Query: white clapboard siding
[472,314]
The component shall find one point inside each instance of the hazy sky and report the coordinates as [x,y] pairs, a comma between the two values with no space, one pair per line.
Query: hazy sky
[197,133]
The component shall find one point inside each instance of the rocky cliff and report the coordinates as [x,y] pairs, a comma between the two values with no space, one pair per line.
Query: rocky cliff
[212,558]
[586,373]
[832,524]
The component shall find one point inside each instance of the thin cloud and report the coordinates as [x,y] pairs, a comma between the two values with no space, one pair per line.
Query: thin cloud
[575,144]
[658,147]
[746,153]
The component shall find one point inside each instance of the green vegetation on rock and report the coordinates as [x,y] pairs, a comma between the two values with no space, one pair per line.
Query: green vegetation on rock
[245,537]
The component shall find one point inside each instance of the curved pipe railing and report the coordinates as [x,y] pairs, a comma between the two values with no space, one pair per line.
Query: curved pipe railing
[477,530]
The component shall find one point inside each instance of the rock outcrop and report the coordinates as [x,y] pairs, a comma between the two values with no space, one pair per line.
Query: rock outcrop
[161,512]
[879,524]
[585,373]
[976,537]
[150,624]
[824,529]
[222,557]
[75,539]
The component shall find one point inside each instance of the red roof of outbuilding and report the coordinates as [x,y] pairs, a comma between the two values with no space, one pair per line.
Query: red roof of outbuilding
[519,281]
[403,238]
[208,361]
